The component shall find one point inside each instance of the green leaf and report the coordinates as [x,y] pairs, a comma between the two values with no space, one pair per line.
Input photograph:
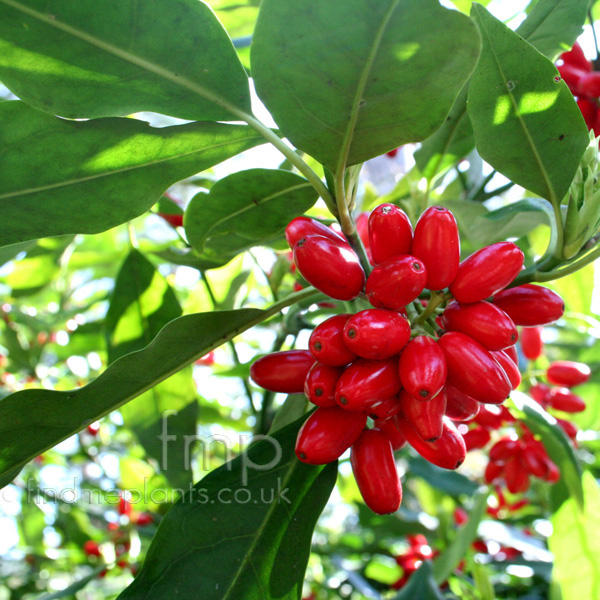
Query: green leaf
[39,267]
[64,177]
[245,209]
[112,58]
[447,561]
[514,220]
[292,409]
[526,123]
[449,482]
[575,543]
[421,585]
[556,443]
[554,25]
[244,531]
[141,305]
[33,420]
[347,89]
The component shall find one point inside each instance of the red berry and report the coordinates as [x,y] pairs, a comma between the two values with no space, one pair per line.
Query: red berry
[572,76]
[396,282]
[327,345]
[493,471]
[553,474]
[391,428]
[534,460]
[426,418]
[530,305]
[320,383]
[437,244]
[576,57]
[513,354]
[332,267]
[486,272]
[386,409]
[516,477]
[569,428]
[367,383]
[568,373]
[531,342]
[124,504]
[589,111]
[448,452]
[422,368]
[91,548]
[509,367]
[473,370]
[482,321]
[144,519]
[390,232]
[476,438]
[283,372]
[362,228]
[327,434]
[93,428]
[539,392]
[504,449]
[375,472]
[565,400]
[459,406]
[301,227]
[589,85]
[376,333]
[172,219]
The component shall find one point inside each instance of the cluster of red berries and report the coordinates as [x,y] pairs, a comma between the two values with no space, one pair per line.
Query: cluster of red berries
[577,72]
[411,559]
[412,380]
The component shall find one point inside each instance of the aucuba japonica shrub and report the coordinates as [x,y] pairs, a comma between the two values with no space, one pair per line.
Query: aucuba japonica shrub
[300,297]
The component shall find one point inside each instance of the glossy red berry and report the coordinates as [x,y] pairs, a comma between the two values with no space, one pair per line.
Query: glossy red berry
[386,409]
[569,428]
[391,428]
[509,367]
[396,282]
[568,373]
[530,305]
[326,342]
[478,437]
[172,219]
[390,232]
[320,383]
[473,370]
[493,471]
[589,84]
[565,400]
[486,272]
[437,244]
[572,76]
[283,372]
[459,406]
[367,383]
[332,267]
[144,519]
[534,459]
[504,449]
[516,477]
[91,548]
[448,452]
[531,342]
[422,368]
[376,333]
[576,57]
[482,321]
[426,418]
[327,434]
[375,472]
[301,227]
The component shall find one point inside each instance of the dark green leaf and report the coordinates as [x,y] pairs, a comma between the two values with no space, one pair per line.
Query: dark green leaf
[525,121]
[421,585]
[554,25]
[244,531]
[112,58]
[575,543]
[9,252]
[448,560]
[33,420]
[449,482]
[556,443]
[141,305]
[347,89]
[244,210]
[88,176]
[291,410]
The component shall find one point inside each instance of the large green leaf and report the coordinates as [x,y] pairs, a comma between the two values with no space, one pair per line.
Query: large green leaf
[556,443]
[33,420]
[243,210]
[63,177]
[525,121]
[112,58]
[551,27]
[554,25]
[421,585]
[141,305]
[347,80]
[244,531]
[575,543]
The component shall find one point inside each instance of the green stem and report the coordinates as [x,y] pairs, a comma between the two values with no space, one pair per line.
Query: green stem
[571,268]
[437,299]
[554,256]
